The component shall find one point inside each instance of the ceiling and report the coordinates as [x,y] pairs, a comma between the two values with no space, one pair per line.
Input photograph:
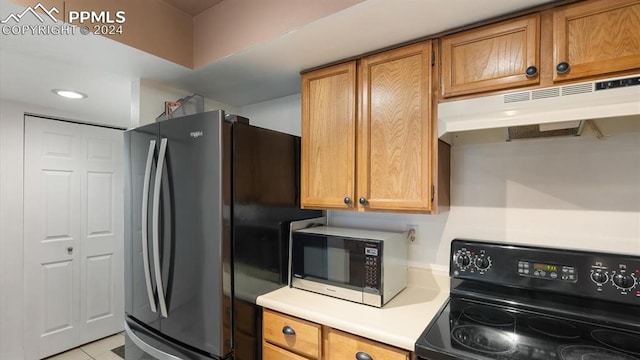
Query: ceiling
[192,7]
[30,66]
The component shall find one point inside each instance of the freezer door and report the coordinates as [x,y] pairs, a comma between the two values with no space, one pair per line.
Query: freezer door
[142,344]
[140,152]
[195,232]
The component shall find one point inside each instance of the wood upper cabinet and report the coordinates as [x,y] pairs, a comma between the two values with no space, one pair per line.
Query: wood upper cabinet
[328,137]
[596,37]
[580,41]
[370,146]
[494,57]
[395,130]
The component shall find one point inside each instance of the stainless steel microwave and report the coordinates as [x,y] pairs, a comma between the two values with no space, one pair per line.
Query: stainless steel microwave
[368,267]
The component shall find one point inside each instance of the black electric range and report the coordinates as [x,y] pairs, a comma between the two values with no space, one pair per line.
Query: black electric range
[525,303]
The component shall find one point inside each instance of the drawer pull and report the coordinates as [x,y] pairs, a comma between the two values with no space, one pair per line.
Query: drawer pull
[361,355]
[288,330]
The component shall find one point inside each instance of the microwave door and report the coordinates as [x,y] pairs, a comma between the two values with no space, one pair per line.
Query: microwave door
[338,263]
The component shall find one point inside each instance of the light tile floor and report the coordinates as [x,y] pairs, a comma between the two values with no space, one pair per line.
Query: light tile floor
[97,350]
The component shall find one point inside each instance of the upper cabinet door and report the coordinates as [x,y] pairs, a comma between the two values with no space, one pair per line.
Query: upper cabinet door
[395,130]
[595,38]
[494,57]
[328,137]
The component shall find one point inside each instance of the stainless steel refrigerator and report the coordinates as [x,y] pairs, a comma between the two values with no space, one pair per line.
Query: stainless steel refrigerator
[196,188]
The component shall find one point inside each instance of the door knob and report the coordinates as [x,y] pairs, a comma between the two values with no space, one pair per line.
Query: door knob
[347,200]
[70,250]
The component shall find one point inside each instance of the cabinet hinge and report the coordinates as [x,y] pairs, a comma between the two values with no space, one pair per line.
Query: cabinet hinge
[433,192]
[433,58]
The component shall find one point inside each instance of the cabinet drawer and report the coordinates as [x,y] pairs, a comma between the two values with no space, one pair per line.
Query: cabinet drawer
[346,346]
[271,352]
[306,340]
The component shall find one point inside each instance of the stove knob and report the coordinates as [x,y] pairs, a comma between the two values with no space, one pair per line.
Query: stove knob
[483,263]
[599,277]
[624,281]
[463,260]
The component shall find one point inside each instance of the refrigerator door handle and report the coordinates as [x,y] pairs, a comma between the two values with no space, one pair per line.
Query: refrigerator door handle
[145,224]
[156,353]
[156,227]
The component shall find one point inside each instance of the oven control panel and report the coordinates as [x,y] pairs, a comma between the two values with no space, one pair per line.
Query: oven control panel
[467,260]
[612,277]
[547,271]
[615,274]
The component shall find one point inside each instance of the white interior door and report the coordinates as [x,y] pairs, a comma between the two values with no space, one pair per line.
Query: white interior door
[102,250]
[52,176]
[73,244]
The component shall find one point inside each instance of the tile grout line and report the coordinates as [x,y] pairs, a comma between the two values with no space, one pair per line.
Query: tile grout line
[89,355]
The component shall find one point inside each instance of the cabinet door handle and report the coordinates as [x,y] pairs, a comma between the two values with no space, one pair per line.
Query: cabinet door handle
[362,200]
[361,355]
[531,71]
[562,68]
[347,200]
[288,330]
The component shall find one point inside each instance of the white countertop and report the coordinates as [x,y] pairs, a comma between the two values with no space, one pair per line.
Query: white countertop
[399,323]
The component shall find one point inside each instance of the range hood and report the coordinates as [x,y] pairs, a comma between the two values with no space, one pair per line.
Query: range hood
[559,104]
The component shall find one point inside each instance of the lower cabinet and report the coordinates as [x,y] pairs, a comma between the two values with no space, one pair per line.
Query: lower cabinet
[272,352]
[292,334]
[289,338]
[347,346]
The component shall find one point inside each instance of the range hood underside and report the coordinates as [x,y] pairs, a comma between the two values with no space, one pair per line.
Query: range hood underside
[590,100]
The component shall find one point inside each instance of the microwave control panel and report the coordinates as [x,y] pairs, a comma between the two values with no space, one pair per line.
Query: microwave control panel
[371,265]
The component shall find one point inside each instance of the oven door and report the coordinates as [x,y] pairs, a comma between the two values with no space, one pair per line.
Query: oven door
[328,265]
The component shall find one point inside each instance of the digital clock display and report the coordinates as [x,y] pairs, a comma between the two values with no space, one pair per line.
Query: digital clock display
[545,267]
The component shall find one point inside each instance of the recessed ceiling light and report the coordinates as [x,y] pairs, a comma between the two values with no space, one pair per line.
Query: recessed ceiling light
[70,94]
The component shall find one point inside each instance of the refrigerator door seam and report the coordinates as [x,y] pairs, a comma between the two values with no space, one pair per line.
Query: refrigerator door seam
[145,220]
[156,227]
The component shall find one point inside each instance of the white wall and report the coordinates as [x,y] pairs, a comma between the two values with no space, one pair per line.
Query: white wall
[578,192]
[11,275]
[148,98]
[281,114]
